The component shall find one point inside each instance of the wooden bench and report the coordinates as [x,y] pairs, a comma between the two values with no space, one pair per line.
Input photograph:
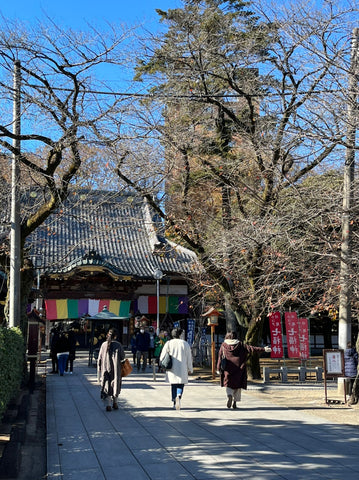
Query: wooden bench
[300,371]
[281,371]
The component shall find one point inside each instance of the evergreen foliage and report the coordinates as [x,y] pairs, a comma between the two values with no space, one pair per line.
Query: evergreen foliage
[12,353]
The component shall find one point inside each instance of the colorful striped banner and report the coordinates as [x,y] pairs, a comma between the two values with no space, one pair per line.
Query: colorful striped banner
[124,310]
[61,309]
[93,307]
[147,304]
[114,306]
[69,308]
[104,303]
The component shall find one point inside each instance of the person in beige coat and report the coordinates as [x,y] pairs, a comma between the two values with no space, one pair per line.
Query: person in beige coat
[182,365]
[109,369]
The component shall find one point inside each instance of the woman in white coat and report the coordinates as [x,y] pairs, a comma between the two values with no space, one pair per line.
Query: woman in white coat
[182,365]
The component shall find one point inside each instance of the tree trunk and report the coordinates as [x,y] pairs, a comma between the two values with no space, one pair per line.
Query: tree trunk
[236,320]
[354,398]
[250,334]
[231,320]
[252,338]
[27,283]
[253,367]
[327,332]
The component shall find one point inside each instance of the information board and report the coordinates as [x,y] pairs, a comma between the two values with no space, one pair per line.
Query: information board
[333,363]
[333,367]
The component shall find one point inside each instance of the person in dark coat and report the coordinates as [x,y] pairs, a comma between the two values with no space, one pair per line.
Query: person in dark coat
[72,351]
[234,375]
[54,338]
[142,346]
[151,349]
[133,348]
[350,362]
[63,351]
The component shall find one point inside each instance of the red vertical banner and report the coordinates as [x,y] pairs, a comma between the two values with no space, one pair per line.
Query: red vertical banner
[292,330]
[303,338]
[275,326]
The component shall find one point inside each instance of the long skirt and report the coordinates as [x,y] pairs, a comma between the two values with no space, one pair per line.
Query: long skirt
[236,393]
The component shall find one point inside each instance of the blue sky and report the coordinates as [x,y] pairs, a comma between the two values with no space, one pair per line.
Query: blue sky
[75,13]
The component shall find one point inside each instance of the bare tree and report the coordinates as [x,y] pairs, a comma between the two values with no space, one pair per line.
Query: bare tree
[64,112]
[253,105]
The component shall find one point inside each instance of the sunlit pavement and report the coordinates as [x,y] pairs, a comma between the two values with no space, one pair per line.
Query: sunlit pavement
[147,439]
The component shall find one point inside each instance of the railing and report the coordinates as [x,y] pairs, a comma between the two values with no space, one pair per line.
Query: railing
[301,372]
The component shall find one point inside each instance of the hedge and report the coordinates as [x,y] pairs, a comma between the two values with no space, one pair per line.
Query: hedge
[12,356]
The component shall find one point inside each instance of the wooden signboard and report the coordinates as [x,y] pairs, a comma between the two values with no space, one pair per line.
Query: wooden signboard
[333,367]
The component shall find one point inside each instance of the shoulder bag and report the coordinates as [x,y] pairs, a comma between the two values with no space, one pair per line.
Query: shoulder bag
[166,363]
[223,362]
[126,368]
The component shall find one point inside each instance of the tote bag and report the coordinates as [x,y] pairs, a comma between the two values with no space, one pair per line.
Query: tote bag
[223,362]
[126,368]
[166,363]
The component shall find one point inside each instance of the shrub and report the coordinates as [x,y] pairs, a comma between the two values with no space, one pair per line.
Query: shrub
[12,357]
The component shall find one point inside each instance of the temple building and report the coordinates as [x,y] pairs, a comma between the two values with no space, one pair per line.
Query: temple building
[107,250]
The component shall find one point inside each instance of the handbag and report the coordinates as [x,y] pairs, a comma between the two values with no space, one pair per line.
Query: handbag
[166,363]
[126,368]
[223,364]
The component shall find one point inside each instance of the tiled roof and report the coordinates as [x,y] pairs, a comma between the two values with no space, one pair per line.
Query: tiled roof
[110,229]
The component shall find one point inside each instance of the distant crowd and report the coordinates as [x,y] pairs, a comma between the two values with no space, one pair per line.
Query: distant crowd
[62,349]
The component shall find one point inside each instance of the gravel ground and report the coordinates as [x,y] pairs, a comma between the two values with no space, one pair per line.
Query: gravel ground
[309,397]
[311,400]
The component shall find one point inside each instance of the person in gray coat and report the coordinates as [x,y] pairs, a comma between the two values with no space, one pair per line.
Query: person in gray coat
[182,365]
[109,361]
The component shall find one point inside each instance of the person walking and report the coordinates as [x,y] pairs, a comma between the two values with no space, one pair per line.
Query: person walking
[54,338]
[182,365]
[63,351]
[109,361]
[142,346]
[133,348]
[350,363]
[234,373]
[151,349]
[72,351]
[161,339]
